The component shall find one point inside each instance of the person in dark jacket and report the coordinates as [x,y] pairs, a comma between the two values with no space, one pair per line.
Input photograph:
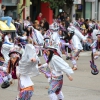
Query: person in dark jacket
[46,24]
[67,22]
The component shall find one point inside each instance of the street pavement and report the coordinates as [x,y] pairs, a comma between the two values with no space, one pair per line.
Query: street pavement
[84,86]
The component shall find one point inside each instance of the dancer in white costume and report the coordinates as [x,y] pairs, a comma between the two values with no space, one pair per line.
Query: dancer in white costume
[95,54]
[57,66]
[28,67]
[77,47]
[7,45]
[76,44]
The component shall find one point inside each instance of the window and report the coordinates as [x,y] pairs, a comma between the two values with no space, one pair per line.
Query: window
[88,11]
[9,2]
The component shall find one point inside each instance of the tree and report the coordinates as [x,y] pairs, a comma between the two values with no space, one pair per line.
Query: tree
[68,6]
[58,3]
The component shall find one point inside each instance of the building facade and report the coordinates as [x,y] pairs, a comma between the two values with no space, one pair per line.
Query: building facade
[33,10]
[88,9]
[81,8]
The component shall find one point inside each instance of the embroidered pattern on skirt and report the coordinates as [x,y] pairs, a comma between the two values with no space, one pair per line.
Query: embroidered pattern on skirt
[56,85]
[25,95]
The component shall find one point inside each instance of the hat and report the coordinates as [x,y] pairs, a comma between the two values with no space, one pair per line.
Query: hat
[48,34]
[98,33]
[46,38]
[14,50]
[83,27]
[55,48]
[54,26]
[51,48]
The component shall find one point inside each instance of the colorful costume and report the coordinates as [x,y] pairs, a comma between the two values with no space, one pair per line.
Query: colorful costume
[27,69]
[10,69]
[94,55]
[57,66]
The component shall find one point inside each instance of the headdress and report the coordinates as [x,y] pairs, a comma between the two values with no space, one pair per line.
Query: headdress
[14,52]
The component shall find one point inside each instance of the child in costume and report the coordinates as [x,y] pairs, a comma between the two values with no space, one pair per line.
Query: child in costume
[57,66]
[10,70]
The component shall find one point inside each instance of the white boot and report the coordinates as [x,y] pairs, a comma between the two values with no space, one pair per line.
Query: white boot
[60,96]
[53,96]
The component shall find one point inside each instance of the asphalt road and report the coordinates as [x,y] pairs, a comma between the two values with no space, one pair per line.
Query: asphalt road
[84,86]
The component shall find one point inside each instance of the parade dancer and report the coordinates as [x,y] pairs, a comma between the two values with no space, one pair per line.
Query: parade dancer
[75,50]
[28,67]
[95,54]
[6,47]
[57,66]
[76,44]
[10,69]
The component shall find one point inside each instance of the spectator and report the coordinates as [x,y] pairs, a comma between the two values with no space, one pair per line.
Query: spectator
[36,25]
[2,18]
[65,15]
[39,18]
[27,22]
[7,39]
[41,27]
[67,22]
[86,23]
[83,27]
[81,21]
[46,24]
[62,16]
[58,18]
[19,27]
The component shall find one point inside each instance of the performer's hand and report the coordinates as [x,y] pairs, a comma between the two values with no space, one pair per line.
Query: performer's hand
[70,78]
[33,60]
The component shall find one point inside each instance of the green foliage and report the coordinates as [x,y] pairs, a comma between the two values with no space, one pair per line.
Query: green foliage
[69,3]
[58,3]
